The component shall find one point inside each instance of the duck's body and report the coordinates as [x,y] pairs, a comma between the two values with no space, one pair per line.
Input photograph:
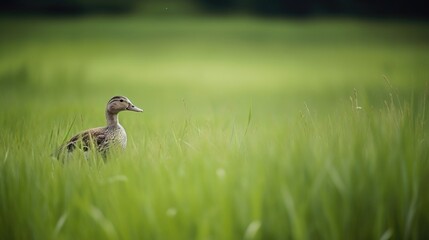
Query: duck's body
[103,138]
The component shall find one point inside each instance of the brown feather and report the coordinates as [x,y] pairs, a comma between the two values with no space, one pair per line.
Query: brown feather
[92,137]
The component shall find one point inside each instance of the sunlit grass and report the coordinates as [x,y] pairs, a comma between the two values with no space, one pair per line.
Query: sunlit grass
[259,137]
[315,177]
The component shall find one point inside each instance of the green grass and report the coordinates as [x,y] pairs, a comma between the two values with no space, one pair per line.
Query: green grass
[253,129]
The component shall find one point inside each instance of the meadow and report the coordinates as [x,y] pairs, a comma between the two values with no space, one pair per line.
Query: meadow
[252,128]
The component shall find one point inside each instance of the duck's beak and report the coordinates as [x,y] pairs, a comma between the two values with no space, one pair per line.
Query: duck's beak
[133,108]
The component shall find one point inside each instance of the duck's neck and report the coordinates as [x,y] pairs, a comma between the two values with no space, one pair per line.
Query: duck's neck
[112,119]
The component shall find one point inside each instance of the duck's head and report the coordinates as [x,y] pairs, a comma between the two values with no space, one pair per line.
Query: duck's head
[121,103]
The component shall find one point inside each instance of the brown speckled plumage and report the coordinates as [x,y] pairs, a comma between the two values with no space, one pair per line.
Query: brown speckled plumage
[103,138]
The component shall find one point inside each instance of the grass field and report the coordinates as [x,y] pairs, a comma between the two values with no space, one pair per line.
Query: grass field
[253,128]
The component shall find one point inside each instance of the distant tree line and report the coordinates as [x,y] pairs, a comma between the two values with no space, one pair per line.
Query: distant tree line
[389,8]
[378,8]
[67,6]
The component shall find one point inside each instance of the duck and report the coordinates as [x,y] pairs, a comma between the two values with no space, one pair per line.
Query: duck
[104,138]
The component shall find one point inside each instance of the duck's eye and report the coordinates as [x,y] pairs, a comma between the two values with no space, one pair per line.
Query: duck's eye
[121,100]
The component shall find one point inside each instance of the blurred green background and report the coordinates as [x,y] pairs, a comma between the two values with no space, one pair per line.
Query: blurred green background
[274,47]
[263,119]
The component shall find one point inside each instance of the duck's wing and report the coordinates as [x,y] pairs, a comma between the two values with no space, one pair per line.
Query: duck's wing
[94,137]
